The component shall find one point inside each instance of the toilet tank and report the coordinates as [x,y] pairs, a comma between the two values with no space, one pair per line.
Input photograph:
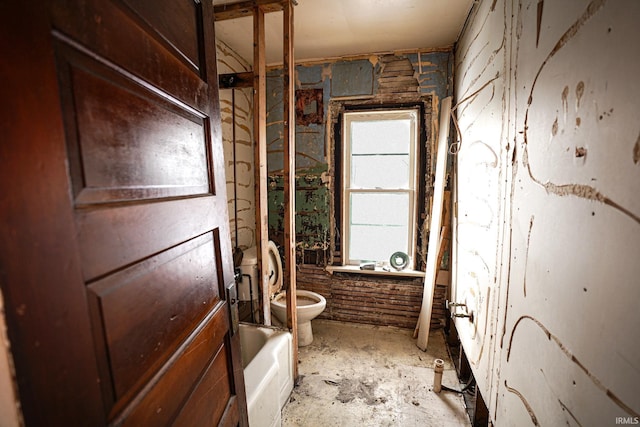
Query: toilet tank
[248,287]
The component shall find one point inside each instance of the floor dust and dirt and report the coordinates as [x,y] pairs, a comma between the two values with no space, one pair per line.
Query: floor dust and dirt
[362,375]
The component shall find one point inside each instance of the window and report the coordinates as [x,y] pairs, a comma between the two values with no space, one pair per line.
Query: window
[379,184]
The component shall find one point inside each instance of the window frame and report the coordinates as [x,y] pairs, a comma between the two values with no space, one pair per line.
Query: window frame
[414,113]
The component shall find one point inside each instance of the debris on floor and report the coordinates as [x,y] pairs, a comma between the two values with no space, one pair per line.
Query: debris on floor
[354,374]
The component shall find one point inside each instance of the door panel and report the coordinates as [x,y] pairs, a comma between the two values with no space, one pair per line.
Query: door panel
[178,23]
[159,407]
[136,238]
[147,310]
[126,234]
[209,399]
[116,34]
[114,120]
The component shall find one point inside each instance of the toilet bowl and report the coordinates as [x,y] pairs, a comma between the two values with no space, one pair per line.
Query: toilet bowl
[309,304]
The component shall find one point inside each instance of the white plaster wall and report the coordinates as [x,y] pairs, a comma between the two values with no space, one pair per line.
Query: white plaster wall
[566,243]
[229,61]
[481,86]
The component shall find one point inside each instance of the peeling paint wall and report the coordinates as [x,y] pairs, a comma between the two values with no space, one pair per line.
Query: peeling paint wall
[421,78]
[548,214]
[230,62]
[341,79]
[312,209]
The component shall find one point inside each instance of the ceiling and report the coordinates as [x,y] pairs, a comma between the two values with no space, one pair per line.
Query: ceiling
[335,28]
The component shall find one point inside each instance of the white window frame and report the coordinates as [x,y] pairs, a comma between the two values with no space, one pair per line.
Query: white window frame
[369,115]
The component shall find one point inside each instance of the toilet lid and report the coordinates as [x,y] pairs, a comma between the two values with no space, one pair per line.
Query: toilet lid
[275,269]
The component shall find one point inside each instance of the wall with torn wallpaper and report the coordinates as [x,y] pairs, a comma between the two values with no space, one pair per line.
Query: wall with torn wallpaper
[239,175]
[548,214]
[431,73]
[428,73]
[413,77]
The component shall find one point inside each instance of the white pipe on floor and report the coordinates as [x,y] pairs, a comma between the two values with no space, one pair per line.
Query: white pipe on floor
[438,369]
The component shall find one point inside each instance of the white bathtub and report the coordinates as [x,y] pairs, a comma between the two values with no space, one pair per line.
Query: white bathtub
[267,358]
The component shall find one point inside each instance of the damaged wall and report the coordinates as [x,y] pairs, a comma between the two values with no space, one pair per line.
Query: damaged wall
[548,224]
[423,77]
[355,78]
[230,62]
[481,103]
[428,78]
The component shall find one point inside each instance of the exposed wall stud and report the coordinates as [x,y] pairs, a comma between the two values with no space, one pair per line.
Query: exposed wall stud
[289,178]
[260,156]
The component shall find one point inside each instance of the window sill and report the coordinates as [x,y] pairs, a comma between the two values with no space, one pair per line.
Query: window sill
[354,269]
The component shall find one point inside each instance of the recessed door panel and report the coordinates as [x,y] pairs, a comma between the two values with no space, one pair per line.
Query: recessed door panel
[127,140]
[178,23]
[184,376]
[148,309]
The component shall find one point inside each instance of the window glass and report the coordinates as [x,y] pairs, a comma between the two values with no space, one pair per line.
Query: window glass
[380,136]
[370,243]
[380,171]
[379,225]
[383,209]
[379,184]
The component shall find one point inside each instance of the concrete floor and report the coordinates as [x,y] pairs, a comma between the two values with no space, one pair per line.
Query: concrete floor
[361,375]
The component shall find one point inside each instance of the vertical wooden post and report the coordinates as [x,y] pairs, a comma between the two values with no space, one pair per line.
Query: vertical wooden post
[424,320]
[260,156]
[289,134]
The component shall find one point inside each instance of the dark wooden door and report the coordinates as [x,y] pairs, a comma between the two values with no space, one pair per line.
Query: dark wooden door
[115,250]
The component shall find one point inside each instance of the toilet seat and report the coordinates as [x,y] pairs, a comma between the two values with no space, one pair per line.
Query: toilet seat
[275,269]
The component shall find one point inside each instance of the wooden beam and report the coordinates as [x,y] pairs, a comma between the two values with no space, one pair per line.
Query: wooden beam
[236,80]
[446,229]
[436,221]
[243,9]
[289,136]
[260,156]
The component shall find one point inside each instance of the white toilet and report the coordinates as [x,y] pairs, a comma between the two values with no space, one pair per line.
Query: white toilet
[309,304]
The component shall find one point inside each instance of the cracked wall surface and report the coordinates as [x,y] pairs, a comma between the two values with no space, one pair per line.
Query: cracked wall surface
[548,226]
